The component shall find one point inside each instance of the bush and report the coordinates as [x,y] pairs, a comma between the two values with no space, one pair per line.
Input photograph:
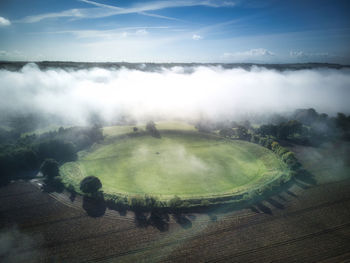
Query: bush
[137,202]
[151,202]
[227,132]
[175,202]
[90,184]
[205,203]
[242,133]
[281,151]
[255,138]
[275,146]
[290,159]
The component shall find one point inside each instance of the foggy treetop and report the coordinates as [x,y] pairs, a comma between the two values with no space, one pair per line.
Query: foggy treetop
[43,65]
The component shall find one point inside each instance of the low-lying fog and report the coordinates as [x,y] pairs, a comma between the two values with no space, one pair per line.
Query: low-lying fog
[174,92]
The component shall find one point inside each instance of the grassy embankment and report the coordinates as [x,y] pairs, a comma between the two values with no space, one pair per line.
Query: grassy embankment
[183,162]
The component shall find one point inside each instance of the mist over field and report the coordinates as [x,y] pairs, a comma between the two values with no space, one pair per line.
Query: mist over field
[186,92]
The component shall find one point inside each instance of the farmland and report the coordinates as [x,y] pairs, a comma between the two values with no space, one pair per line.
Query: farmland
[307,222]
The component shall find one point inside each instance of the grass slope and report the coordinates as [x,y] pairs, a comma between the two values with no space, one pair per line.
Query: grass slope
[188,165]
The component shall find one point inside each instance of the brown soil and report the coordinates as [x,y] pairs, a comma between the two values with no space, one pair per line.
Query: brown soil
[306,223]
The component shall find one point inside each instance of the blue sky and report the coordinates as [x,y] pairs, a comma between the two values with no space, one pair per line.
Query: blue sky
[269,31]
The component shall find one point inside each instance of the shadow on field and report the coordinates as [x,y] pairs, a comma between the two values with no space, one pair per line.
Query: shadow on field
[275,203]
[157,219]
[94,207]
[72,196]
[160,220]
[274,198]
[183,220]
[263,208]
[305,178]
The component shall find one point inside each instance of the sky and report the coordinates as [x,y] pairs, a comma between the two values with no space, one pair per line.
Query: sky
[270,31]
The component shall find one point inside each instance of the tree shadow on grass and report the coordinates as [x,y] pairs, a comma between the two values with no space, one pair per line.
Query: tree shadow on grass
[94,207]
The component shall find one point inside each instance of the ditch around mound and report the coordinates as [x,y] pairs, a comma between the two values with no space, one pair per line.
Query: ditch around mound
[189,165]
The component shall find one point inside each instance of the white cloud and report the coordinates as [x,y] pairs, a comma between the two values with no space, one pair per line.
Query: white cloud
[4,21]
[183,92]
[302,54]
[9,55]
[103,10]
[3,53]
[257,52]
[196,37]
[141,32]
[112,33]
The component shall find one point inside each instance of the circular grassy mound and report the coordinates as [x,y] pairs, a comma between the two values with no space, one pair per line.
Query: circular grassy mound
[186,164]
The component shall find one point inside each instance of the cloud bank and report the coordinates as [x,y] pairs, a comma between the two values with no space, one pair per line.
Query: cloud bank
[176,92]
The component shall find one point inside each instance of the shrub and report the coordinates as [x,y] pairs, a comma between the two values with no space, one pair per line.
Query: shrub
[290,159]
[227,132]
[205,203]
[281,151]
[242,133]
[185,204]
[151,202]
[275,146]
[137,202]
[175,202]
[255,138]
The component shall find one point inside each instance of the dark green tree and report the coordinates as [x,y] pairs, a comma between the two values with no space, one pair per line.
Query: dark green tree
[151,128]
[90,184]
[49,168]
[227,132]
[242,133]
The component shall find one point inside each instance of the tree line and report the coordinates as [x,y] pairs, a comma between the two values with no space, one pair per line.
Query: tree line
[21,155]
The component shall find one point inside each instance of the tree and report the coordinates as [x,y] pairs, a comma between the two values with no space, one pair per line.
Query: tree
[227,132]
[306,116]
[175,203]
[63,151]
[267,129]
[242,133]
[90,184]
[286,129]
[151,128]
[49,168]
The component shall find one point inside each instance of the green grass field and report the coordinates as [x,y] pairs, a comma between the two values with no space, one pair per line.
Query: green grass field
[187,164]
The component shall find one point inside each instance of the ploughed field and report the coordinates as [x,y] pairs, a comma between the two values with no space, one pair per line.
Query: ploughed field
[182,162]
[308,222]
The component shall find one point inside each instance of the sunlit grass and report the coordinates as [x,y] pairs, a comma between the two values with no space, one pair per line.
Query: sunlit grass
[187,165]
